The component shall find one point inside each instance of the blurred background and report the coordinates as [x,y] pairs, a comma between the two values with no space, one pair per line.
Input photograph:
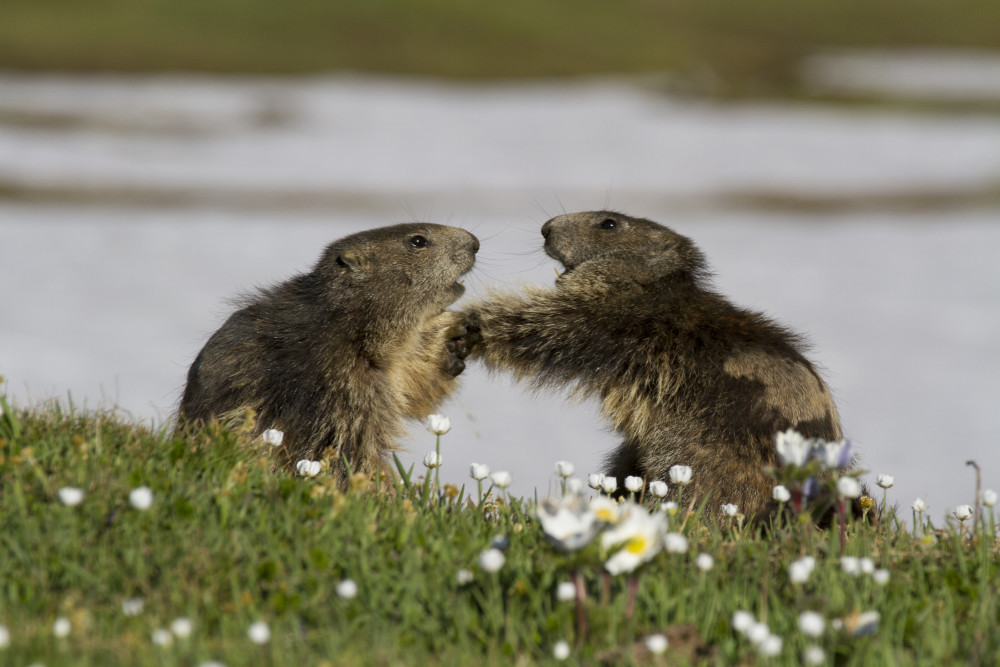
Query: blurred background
[837,160]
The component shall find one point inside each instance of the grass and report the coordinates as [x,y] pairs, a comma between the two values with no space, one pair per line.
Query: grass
[231,539]
[712,45]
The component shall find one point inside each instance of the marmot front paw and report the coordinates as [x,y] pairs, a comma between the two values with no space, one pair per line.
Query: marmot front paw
[456,347]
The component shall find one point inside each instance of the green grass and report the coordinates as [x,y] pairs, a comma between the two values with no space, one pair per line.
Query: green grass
[231,539]
[715,45]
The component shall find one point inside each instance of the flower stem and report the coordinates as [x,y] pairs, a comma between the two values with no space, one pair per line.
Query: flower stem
[842,516]
[633,589]
[437,468]
[581,618]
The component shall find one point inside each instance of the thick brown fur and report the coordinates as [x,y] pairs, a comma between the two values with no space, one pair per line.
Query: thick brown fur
[684,375]
[337,358]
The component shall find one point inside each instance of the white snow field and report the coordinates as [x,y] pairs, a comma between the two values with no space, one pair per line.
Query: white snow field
[109,296]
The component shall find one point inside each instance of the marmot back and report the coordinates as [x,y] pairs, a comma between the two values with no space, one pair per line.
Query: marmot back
[336,358]
[684,375]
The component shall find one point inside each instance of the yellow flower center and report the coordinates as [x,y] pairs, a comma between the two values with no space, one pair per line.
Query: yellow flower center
[637,544]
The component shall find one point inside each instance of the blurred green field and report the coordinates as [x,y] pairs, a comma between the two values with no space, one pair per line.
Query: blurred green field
[719,45]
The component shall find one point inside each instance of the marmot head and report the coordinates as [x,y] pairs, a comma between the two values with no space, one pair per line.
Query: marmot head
[623,246]
[409,264]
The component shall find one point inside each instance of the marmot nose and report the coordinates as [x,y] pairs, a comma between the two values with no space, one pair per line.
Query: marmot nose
[546,229]
[475,245]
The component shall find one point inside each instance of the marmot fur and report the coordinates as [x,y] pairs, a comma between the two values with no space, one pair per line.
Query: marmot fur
[336,358]
[684,375]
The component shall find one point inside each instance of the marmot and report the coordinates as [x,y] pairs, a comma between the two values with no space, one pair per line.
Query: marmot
[336,358]
[684,375]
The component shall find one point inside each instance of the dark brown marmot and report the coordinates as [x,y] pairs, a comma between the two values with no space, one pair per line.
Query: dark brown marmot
[684,375]
[336,358]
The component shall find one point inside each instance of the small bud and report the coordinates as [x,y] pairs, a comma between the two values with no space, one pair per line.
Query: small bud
[273,437]
[781,494]
[885,481]
[438,424]
[680,475]
[564,469]
[633,484]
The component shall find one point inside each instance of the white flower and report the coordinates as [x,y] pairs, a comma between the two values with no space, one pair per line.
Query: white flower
[848,487]
[347,589]
[70,496]
[658,488]
[792,448]
[811,623]
[885,481]
[866,565]
[4,632]
[680,475]
[609,484]
[851,565]
[565,591]
[561,650]
[564,469]
[813,655]
[833,454]
[595,480]
[742,621]
[162,637]
[212,663]
[989,497]
[259,633]
[132,606]
[605,509]
[800,570]
[963,512]
[181,627]
[308,468]
[61,627]
[675,543]
[781,494]
[568,522]
[479,471]
[705,562]
[273,437]
[657,644]
[771,646]
[141,498]
[730,509]
[669,506]
[438,424]
[919,505]
[502,479]
[633,484]
[638,537]
[491,560]
[432,460]
[758,632]
[574,485]
[464,576]
[881,576]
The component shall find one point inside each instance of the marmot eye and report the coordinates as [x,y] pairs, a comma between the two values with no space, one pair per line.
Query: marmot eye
[609,223]
[418,241]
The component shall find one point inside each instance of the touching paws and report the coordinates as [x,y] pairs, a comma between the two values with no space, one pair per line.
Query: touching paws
[459,341]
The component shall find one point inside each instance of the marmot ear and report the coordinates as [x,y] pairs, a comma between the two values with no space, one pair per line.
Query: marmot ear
[354,261]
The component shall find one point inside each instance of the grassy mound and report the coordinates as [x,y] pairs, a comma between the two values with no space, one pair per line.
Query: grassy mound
[230,540]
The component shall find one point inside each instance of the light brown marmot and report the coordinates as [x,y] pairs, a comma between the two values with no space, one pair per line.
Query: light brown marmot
[338,357]
[684,375]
